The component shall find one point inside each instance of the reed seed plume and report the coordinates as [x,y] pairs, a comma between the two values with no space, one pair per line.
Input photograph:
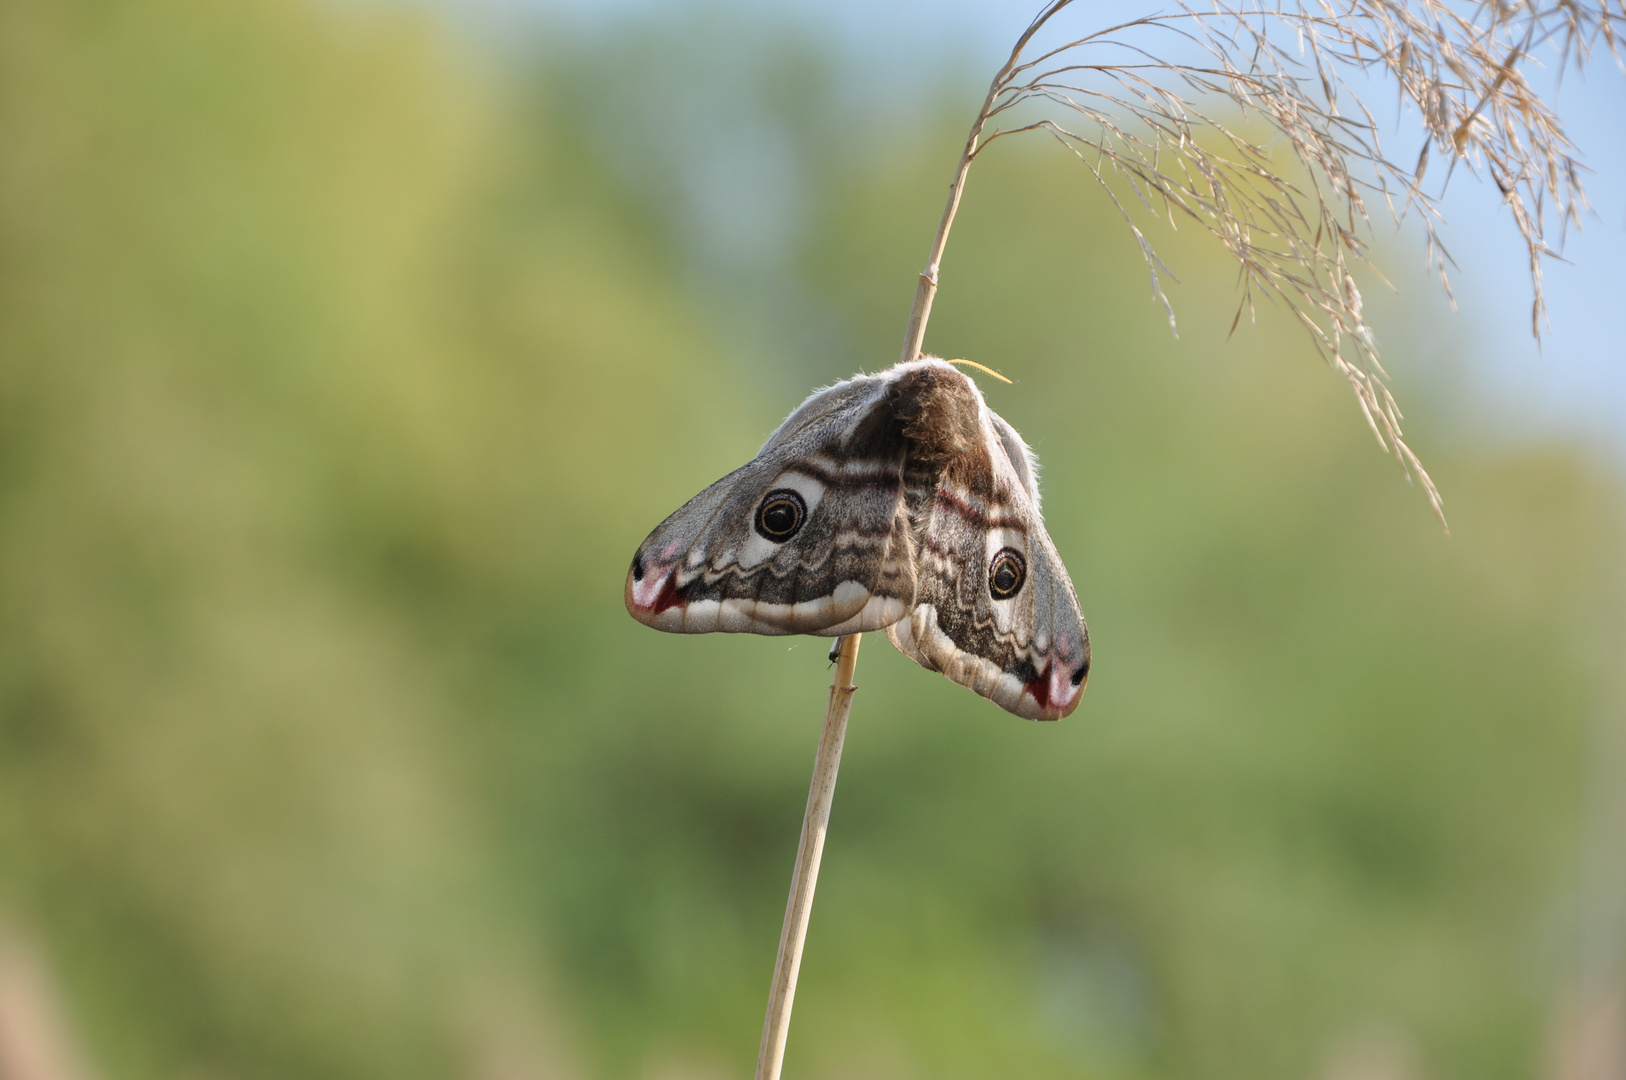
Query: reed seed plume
[1259,134]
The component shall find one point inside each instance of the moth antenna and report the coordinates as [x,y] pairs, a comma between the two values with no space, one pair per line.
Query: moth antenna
[984,369]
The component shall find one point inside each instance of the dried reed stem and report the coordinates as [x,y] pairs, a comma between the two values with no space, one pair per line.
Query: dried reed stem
[1285,186]
[926,289]
[1296,228]
[815,822]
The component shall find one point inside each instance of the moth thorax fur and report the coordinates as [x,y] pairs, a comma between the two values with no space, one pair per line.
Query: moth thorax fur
[941,414]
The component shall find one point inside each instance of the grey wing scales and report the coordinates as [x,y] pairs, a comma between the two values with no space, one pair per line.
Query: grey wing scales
[1018,640]
[810,537]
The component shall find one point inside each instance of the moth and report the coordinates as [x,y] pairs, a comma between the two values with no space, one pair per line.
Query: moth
[896,501]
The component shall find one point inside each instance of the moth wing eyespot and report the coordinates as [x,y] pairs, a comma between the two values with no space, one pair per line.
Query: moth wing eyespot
[1007,572]
[780,515]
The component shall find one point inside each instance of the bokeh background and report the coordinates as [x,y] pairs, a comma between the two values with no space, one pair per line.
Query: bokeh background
[348,350]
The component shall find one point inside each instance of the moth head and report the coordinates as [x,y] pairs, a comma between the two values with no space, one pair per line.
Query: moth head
[780,515]
[1007,572]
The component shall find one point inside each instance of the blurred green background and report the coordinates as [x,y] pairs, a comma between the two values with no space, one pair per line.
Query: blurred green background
[346,357]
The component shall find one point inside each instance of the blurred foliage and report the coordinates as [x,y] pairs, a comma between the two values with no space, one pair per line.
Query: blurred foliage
[339,376]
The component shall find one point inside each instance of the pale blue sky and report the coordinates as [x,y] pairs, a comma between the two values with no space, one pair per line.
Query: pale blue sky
[1576,380]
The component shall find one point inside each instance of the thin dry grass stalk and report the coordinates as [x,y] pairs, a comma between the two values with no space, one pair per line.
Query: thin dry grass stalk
[1298,223]
[1296,229]
[809,850]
